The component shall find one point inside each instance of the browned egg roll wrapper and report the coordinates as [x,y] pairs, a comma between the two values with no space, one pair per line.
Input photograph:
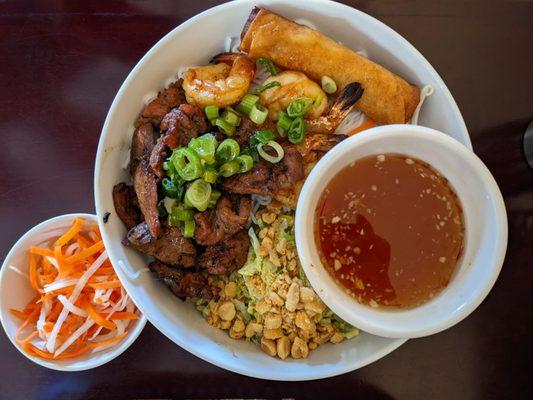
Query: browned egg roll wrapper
[387,98]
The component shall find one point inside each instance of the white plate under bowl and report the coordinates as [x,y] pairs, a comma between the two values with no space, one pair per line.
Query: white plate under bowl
[194,43]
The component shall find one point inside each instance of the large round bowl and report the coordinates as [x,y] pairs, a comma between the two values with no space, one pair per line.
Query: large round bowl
[194,43]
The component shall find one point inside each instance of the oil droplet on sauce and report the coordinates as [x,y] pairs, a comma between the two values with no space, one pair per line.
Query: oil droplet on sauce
[390,230]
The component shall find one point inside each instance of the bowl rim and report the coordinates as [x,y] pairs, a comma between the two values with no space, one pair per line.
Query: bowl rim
[228,365]
[110,353]
[374,321]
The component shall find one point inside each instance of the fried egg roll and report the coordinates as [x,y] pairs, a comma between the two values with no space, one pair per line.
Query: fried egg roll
[387,98]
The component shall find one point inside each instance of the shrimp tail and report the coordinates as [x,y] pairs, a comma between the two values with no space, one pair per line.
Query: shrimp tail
[226,58]
[349,96]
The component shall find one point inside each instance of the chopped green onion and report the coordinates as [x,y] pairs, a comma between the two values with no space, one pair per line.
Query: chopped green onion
[187,163]
[211,112]
[252,152]
[225,126]
[245,162]
[210,175]
[170,189]
[268,64]
[259,114]
[205,147]
[318,101]
[284,123]
[215,194]
[161,210]
[328,85]
[269,85]
[229,168]
[277,148]
[299,107]
[198,194]
[231,117]
[264,136]
[181,213]
[169,167]
[188,229]
[247,102]
[297,130]
[227,150]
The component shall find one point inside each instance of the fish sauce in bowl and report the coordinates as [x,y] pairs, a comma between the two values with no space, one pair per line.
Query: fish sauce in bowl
[390,230]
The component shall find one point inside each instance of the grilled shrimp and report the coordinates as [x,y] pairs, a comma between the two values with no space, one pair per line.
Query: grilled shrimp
[293,85]
[221,84]
[339,109]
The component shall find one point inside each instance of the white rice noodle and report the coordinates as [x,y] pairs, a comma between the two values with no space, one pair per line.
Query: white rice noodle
[426,91]
[350,122]
[71,249]
[19,272]
[306,22]
[59,285]
[253,239]
[261,75]
[51,343]
[71,307]
[363,53]
[126,161]
[80,331]
[232,44]
[53,261]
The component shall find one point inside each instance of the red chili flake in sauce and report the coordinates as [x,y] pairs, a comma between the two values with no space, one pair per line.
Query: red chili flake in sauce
[390,229]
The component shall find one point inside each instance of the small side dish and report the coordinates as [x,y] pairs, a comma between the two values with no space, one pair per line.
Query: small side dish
[79,305]
[390,230]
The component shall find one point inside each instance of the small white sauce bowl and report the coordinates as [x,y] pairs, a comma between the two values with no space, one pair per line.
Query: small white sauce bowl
[16,292]
[485,236]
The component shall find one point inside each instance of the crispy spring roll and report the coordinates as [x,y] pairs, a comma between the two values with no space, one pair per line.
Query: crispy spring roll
[387,98]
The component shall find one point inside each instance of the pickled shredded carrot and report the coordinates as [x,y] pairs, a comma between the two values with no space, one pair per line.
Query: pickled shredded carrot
[90,310]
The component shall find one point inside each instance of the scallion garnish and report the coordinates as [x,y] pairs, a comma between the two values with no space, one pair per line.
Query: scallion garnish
[269,85]
[299,107]
[328,85]
[231,117]
[187,163]
[170,189]
[259,114]
[245,162]
[227,150]
[247,102]
[297,130]
[263,136]
[277,148]
[229,168]
[284,123]
[210,175]
[268,64]
[211,112]
[205,147]
[225,126]
[188,228]
[198,194]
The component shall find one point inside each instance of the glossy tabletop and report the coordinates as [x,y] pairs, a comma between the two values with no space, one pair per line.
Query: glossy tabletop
[61,64]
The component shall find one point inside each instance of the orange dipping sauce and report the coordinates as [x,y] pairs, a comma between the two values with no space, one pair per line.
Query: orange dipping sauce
[390,230]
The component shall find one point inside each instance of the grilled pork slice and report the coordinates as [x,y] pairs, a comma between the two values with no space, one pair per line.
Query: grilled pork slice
[171,247]
[167,99]
[231,214]
[184,283]
[126,205]
[226,256]
[266,178]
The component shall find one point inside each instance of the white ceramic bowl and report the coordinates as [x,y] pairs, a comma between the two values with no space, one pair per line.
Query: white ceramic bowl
[485,225]
[16,291]
[194,43]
